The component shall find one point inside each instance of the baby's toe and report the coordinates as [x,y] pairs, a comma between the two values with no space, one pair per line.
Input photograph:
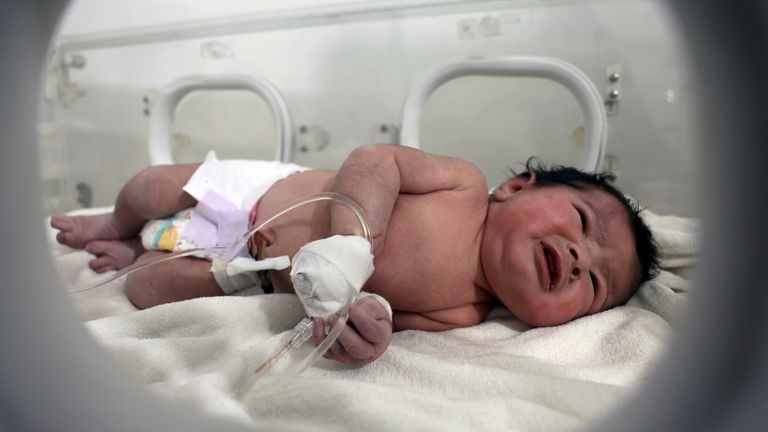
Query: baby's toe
[63,223]
[96,247]
[102,264]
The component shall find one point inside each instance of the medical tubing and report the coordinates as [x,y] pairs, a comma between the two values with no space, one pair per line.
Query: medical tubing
[330,338]
[298,335]
[208,252]
[321,196]
[227,254]
[303,330]
[301,333]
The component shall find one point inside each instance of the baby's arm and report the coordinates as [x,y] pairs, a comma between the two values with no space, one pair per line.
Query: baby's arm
[446,319]
[375,176]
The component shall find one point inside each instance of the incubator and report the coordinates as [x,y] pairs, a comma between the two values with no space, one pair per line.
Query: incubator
[625,49]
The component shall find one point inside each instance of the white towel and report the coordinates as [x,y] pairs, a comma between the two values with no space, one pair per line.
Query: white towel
[499,375]
[678,242]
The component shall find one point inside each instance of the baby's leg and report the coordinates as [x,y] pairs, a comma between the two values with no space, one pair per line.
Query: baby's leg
[171,281]
[154,193]
[113,254]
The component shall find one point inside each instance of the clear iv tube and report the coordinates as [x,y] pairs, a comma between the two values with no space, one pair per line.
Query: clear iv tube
[227,253]
[322,196]
[207,252]
[264,384]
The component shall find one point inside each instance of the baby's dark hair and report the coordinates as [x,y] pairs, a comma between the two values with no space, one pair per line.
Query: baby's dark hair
[645,246]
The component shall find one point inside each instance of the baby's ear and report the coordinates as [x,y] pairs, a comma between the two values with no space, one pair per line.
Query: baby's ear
[513,185]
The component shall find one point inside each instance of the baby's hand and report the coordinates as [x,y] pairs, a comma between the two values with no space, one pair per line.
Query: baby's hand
[365,336]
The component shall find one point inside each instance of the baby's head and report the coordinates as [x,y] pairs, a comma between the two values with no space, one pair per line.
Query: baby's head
[560,243]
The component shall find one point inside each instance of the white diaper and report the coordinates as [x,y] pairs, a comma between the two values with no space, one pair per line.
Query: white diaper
[240,181]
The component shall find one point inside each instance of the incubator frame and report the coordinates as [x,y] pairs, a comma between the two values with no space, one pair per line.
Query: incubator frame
[572,78]
[161,117]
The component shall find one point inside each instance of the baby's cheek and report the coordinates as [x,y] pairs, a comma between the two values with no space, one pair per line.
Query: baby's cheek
[547,309]
[535,310]
[530,213]
[546,214]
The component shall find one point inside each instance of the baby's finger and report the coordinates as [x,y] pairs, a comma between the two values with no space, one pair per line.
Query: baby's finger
[337,352]
[318,335]
[356,346]
[318,331]
[370,323]
[375,308]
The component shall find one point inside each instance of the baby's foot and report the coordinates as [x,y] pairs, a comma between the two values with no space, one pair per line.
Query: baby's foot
[77,231]
[113,254]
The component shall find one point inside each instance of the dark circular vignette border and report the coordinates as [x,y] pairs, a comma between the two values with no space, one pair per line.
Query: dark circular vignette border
[715,377]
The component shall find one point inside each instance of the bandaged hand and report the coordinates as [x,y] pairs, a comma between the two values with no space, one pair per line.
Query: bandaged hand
[326,272]
[365,336]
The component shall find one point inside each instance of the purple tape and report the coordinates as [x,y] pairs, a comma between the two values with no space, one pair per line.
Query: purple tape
[216,221]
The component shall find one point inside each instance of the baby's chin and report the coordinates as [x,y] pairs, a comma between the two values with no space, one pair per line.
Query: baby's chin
[540,318]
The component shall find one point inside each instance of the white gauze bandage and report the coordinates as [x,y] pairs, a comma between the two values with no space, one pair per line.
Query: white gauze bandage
[324,272]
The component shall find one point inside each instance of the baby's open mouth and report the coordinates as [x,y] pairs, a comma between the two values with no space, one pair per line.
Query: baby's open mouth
[553,265]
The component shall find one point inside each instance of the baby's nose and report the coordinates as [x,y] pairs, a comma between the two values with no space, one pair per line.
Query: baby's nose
[579,261]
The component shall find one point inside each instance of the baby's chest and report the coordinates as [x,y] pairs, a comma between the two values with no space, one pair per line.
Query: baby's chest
[430,258]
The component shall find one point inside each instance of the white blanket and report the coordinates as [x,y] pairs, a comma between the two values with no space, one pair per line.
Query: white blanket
[499,375]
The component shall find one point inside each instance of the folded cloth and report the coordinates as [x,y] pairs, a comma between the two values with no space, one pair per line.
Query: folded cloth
[326,272]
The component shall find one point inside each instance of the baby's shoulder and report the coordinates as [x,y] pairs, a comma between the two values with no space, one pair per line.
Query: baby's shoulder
[473,189]
[471,177]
